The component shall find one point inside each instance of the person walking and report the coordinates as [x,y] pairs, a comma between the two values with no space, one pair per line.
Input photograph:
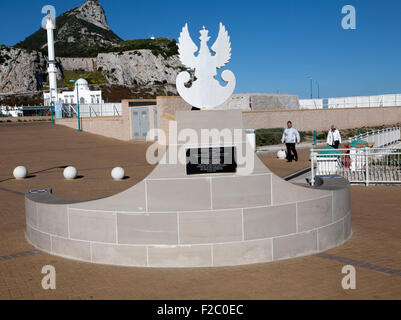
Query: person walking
[290,138]
[334,137]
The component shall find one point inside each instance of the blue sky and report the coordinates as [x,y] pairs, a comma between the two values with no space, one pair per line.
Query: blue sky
[276,44]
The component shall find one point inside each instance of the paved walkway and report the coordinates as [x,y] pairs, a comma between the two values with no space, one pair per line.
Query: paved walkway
[375,247]
[277,147]
[283,168]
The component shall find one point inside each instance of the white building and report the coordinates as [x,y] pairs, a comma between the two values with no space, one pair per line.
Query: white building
[6,111]
[86,96]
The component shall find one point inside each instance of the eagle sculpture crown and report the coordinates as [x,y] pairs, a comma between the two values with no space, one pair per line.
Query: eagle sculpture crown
[205,92]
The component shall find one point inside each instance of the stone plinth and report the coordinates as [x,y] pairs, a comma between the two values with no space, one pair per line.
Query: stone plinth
[172,219]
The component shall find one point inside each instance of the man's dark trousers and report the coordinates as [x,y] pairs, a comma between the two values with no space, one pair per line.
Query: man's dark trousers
[336,144]
[291,152]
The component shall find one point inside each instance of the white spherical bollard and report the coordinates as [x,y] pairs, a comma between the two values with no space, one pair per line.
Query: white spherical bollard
[118,173]
[20,173]
[70,173]
[281,154]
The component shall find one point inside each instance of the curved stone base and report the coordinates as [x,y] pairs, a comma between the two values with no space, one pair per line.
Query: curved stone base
[202,255]
[174,220]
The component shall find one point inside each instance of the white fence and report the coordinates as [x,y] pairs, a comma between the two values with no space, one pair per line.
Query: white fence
[92,110]
[380,138]
[100,110]
[388,100]
[381,164]
[361,166]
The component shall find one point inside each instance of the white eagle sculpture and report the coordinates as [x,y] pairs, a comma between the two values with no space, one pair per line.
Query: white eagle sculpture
[206,92]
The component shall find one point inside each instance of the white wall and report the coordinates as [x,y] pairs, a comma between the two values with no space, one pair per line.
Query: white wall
[388,100]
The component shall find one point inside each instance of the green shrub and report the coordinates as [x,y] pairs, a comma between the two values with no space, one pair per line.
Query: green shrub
[351,134]
[93,77]
[268,137]
[159,46]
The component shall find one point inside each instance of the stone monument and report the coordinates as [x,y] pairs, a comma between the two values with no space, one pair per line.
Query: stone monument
[209,202]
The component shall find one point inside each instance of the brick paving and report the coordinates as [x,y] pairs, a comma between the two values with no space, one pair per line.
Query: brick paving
[374,249]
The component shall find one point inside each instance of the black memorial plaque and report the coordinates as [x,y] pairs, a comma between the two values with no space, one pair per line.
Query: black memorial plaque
[211,160]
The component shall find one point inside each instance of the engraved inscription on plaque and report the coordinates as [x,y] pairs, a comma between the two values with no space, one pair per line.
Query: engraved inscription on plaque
[211,160]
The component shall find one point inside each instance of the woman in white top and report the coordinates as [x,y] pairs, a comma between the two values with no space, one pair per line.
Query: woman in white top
[334,137]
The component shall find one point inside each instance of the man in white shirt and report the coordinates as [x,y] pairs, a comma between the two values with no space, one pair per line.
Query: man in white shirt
[334,137]
[290,138]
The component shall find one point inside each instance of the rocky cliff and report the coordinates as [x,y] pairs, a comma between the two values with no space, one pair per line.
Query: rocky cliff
[84,42]
[74,64]
[21,70]
[138,67]
[26,71]
[80,32]
[92,12]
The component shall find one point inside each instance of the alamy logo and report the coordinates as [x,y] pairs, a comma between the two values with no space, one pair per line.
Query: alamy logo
[349,281]
[49,280]
[349,21]
[180,141]
[49,11]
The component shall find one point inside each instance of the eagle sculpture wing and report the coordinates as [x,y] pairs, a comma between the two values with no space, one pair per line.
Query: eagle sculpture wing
[222,48]
[187,48]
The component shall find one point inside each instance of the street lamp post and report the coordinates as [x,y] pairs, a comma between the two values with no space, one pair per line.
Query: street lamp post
[318,89]
[78,112]
[79,116]
[311,87]
[51,111]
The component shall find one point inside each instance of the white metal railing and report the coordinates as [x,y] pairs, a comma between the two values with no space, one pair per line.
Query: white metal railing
[100,110]
[69,111]
[92,110]
[363,166]
[380,138]
[386,100]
